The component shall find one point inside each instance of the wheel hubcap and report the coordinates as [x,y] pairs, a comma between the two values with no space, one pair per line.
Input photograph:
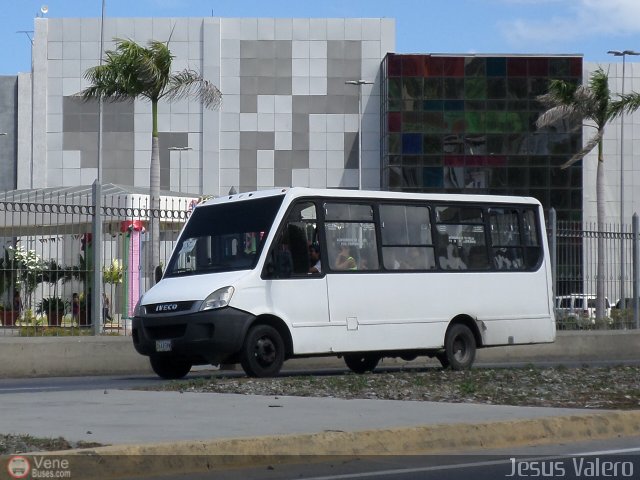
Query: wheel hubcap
[459,349]
[265,351]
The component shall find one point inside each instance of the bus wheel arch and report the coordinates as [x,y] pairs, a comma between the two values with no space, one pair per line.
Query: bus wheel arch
[461,341]
[282,329]
[264,348]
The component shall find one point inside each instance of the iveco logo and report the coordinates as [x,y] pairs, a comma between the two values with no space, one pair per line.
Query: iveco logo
[166,307]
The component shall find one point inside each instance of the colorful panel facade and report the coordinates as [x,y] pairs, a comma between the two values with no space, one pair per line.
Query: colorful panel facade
[467,124]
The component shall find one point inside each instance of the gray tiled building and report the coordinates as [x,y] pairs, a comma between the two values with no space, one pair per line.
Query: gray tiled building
[287,117]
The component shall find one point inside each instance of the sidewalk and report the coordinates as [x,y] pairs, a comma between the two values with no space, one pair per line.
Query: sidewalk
[178,432]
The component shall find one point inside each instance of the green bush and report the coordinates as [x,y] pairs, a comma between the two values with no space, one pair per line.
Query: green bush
[622,319]
[52,305]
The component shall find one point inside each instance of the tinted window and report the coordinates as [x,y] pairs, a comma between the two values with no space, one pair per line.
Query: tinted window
[351,237]
[461,243]
[406,238]
[291,254]
[223,237]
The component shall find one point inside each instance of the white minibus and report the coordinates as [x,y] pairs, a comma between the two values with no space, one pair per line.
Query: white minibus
[258,278]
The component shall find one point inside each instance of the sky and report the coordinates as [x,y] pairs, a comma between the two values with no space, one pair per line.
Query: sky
[588,27]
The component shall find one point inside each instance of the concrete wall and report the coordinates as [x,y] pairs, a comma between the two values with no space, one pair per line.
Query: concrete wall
[8,125]
[76,356]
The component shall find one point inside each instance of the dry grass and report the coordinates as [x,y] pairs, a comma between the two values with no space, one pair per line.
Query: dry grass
[616,387]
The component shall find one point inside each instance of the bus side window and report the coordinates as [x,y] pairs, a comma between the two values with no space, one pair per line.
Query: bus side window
[350,236]
[299,249]
[290,255]
[406,237]
[280,261]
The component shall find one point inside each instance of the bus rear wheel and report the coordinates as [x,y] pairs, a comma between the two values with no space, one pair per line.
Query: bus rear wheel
[459,348]
[263,352]
[361,362]
[169,367]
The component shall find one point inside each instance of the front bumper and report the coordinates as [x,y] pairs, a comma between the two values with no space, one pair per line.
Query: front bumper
[202,337]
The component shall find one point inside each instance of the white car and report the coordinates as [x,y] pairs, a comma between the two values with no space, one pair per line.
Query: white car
[579,307]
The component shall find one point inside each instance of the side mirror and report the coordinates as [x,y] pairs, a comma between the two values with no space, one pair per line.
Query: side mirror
[158,273]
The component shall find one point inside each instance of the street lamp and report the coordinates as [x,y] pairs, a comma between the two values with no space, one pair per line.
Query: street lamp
[623,54]
[180,150]
[96,304]
[359,84]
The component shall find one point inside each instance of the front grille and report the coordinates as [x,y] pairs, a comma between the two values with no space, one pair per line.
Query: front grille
[168,307]
[165,332]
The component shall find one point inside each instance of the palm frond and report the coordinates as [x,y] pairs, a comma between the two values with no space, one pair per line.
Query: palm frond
[627,103]
[586,102]
[599,84]
[556,114]
[189,83]
[159,59]
[559,92]
[591,144]
[131,71]
[104,85]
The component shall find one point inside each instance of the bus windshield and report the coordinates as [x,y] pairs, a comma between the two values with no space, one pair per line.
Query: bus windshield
[226,237]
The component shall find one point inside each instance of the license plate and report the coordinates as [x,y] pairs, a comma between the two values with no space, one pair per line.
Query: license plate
[163,345]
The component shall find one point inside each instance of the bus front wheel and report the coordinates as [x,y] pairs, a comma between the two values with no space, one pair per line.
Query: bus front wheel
[263,352]
[459,348]
[169,367]
[361,362]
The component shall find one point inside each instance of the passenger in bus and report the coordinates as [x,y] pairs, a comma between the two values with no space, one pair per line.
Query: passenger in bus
[366,260]
[505,259]
[452,261]
[284,259]
[314,255]
[345,259]
[414,259]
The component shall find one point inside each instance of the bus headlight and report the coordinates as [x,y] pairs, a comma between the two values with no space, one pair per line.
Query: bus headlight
[218,299]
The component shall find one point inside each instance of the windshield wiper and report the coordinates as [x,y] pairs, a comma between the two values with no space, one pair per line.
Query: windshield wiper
[219,266]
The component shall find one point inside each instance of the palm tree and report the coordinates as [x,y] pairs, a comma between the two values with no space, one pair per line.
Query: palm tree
[594,104]
[132,71]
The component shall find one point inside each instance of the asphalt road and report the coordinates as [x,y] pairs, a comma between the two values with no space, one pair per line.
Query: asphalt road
[111,382]
[570,461]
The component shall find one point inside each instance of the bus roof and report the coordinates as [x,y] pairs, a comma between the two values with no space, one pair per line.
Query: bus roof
[296,192]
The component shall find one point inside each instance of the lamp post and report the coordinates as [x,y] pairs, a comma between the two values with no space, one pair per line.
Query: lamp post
[623,54]
[359,84]
[180,150]
[96,301]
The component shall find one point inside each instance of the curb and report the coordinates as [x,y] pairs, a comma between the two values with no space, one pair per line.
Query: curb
[22,357]
[122,461]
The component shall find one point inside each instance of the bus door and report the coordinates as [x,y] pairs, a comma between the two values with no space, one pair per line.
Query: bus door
[350,238]
[295,290]
[373,296]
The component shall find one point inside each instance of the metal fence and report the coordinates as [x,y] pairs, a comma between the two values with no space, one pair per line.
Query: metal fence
[47,261]
[47,272]
[574,250]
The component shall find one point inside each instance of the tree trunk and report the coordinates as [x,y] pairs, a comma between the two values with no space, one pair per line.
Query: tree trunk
[600,306]
[154,198]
